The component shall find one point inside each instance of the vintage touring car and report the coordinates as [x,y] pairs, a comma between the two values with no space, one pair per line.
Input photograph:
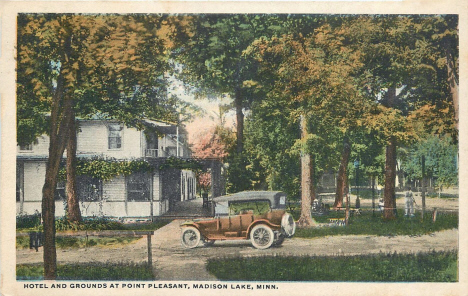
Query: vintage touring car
[256,215]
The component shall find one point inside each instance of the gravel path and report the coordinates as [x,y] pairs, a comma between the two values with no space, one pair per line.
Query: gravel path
[173,262]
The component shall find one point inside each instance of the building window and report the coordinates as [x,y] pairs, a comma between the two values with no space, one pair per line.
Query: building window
[115,136]
[60,193]
[88,189]
[138,187]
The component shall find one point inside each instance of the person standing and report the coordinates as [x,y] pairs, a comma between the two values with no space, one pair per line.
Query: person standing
[409,204]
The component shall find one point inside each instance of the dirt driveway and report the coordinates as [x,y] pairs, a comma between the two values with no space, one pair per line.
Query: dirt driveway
[173,262]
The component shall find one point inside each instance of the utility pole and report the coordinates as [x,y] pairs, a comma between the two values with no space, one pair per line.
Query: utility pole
[177,139]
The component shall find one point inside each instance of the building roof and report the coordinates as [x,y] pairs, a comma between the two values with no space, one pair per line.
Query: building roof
[166,128]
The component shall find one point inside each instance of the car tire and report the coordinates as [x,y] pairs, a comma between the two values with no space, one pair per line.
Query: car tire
[190,237]
[288,226]
[262,237]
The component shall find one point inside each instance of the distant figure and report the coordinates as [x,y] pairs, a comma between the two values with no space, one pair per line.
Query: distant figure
[381,205]
[409,203]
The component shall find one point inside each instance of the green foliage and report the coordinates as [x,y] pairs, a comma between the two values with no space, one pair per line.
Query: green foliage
[239,177]
[270,160]
[28,221]
[91,223]
[89,271]
[181,164]
[22,242]
[76,242]
[441,157]
[367,224]
[64,242]
[420,267]
[147,226]
[111,66]
[95,223]
[106,169]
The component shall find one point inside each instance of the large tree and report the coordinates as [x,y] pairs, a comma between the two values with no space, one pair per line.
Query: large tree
[313,77]
[399,75]
[107,65]
[213,56]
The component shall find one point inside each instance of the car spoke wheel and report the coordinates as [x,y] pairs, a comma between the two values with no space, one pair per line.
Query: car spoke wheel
[262,237]
[190,237]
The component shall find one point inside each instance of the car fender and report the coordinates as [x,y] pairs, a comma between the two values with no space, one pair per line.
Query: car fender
[190,223]
[262,221]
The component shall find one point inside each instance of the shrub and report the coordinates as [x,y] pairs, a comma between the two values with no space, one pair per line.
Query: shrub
[28,221]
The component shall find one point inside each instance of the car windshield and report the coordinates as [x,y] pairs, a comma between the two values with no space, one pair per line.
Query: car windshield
[249,207]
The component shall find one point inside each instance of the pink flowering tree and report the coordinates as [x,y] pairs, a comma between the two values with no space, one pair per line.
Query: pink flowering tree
[213,143]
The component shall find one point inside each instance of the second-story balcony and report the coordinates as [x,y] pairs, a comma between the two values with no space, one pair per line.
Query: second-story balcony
[154,153]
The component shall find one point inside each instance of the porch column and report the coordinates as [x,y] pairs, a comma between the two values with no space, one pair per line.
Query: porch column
[216,186]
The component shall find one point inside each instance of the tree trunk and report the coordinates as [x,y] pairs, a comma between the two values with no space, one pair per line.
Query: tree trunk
[390,166]
[390,175]
[61,111]
[307,174]
[73,206]
[452,81]
[342,181]
[239,121]
[58,139]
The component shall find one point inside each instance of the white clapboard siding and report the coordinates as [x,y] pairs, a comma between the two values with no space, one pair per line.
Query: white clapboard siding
[34,178]
[93,139]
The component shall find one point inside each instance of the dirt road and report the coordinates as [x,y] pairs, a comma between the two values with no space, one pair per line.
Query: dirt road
[173,262]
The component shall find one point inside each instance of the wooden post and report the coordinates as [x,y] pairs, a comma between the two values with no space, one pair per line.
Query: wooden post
[151,198]
[434,215]
[347,210]
[373,196]
[423,187]
[150,254]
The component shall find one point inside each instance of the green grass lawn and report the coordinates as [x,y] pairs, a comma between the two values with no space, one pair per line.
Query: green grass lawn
[431,267]
[88,271]
[22,242]
[369,224]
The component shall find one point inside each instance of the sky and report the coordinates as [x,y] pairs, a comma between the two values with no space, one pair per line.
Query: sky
[209,116]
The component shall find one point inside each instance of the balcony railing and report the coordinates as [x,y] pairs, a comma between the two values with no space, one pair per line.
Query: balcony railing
[151,153]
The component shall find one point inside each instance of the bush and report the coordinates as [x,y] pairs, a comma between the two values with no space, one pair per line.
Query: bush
[22,242]
[94,223]
[28,221]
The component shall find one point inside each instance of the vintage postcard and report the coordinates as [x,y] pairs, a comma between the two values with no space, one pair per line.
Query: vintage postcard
[221,147]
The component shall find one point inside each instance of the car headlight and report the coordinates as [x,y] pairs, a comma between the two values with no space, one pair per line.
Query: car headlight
[288,226]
